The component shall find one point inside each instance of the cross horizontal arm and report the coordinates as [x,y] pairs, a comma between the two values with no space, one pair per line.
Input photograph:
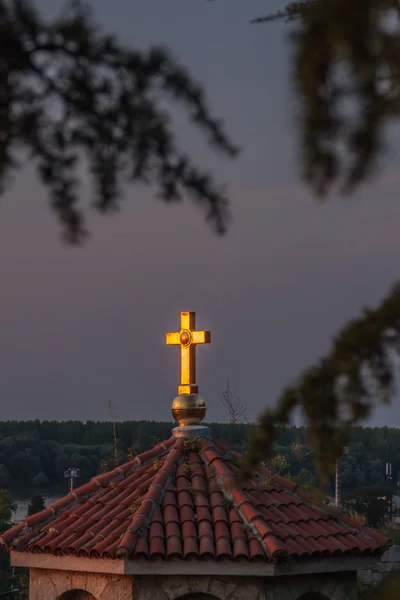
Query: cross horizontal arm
[201,337]
[173,338]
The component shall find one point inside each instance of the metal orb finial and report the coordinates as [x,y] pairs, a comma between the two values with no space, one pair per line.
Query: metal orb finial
[188,409]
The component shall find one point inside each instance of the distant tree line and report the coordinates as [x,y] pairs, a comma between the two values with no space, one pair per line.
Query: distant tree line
[35,454]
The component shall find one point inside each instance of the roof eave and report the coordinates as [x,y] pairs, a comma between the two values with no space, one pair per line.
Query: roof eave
[180,567]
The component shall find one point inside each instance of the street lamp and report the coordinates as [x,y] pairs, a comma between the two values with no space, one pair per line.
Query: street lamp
[388,470]
[71,474]
[337,477]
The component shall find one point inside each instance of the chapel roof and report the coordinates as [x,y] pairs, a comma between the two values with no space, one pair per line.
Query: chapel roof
[184,499]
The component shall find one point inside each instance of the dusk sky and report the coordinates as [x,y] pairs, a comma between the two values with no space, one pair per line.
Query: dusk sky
[81,325]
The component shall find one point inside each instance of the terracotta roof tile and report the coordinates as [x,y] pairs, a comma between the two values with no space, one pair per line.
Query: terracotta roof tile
[256,551]
[171,514]
[223,548]
[63,502]
[207,548]
[379,538]
[174,547]
[170,497]
[156,529]
[39,517]
[142,546]
[184,500]
[240,549]
[172,529]
[219,514]
[189,530]
[157,548]
[110,550]
[187,514]
[295,549]
[190,547]
[205,528]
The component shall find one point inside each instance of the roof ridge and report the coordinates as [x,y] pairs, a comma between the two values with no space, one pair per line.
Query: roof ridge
[283,482]
[295,489]
[123,471]
[307,498]
[226,480]
[152,499]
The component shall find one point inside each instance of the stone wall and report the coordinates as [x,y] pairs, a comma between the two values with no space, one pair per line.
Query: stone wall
[390,561]
[47,584]
[339,586]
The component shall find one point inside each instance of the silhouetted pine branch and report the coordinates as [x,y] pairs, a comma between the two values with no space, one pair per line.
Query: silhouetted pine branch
[342,389]
[346,71]
[294,10]
[67,90]
[346,74]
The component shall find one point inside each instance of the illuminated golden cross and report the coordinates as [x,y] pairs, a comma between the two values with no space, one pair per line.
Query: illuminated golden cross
[187,338]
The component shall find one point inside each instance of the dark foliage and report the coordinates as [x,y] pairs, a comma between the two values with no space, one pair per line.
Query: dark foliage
[67,91]
[7,507]
[36,504]
[373,502]
[10,578]
[348,90]
[342,389]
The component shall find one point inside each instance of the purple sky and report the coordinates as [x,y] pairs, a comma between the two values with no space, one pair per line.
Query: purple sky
[79,326]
